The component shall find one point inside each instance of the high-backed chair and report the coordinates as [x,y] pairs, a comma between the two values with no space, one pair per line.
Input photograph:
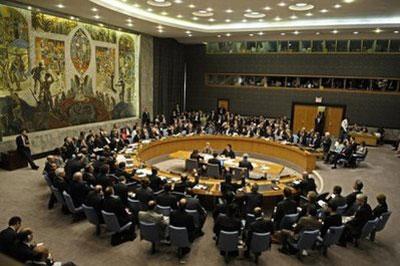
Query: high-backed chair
[260,242]
[134,205]
[76,211]
[368,228]
[91,216]
[239,172]
[164,210]
[149,232]
[288,220]
[112,224]
[228,242]
[191,164]
[341,209]
[196,217]
[306,241]
[250,218]
[383,219]
[331,237]
[179,238]
[213,170]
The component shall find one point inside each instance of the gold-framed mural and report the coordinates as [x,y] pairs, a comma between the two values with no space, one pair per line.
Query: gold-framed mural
[56,72]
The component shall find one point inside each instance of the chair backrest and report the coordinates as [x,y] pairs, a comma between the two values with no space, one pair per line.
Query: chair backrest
[332,236]
[48,180]
[369,227]
[341,209]
[213,170]
[307,239]
[57,194]
[164,210]
[260,242]
[90,214]
[191,164]
[179,236]
[239,172]
[134,204]
[288,220]
[382,221]
[149,232]
[228,241]
[196,217]
[111,221]
[69,202]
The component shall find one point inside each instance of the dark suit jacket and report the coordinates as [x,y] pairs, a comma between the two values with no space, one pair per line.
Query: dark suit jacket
[285,206]
[230,154]
[155,182]
[72,167]
[215,161]
[144,195]
[96,201]
[331,220]
[114,204]
[227,223]
[22,252]
[20,144]
[103,180]
[260,225]
[180,218]
[337,201]
[166,199]
[121,190]
[246,164]
[351,198]
[361,217]
[307,185]
[252,200]
[78,192]
[8,237]
[381,208]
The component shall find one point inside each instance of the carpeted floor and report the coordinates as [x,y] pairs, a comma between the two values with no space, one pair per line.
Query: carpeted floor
[24,193]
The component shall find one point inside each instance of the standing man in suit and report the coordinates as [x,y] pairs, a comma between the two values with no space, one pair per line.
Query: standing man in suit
[320,123]
[245,163]
[24,148]
[145,117]
[8,236]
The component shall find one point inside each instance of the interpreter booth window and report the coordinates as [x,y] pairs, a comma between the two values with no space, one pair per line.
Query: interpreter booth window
[326,83]
[293,46]
[383,85]
[382,46]
[276,81]
[342,46]
[309,83]
[330,46]
[318,46]
[355,46]
[358,84]
[395,46]
[305,46]
[368,46]
[338,83]
[212,79]
[292,82]
[283,46]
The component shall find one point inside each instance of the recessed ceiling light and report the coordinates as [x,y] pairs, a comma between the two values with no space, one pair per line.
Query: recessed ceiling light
[293,17]
[356,32]
[94,9]
[244,20]
[211,19]
[164,13]
[179,16]
[378,30]
[101,24]
[209,9]
[192,6]
[267,8]
[277,19]
[324,10]
[119,29]
[283,34]
[228,34]
[227,20]
[129,25]
[136,5]
[202,13]
[160,31]
[348,1]
[248,10]
[337,6]
[188,32]
[219,35]
[296,32]
[396,32]
[60,6]
[178,1]
[309,14]
[29,8]
[129,20]
[96,16]
[335,31]
[301,7]
[159,3]
[160,27]
[254,14]
[195,18]
[260,20]
[150,10]
[260,33]
[251,34]
[72,17]
[229,11]
[190,35]
[282,4]
[317,33]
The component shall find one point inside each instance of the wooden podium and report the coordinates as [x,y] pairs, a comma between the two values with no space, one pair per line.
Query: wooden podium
[12,160]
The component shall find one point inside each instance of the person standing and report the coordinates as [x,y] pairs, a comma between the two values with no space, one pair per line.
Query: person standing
[24,148]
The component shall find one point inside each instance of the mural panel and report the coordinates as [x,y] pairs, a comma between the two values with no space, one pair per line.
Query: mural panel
[57,89]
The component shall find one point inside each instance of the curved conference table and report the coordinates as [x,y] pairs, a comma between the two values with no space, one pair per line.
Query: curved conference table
[294,156]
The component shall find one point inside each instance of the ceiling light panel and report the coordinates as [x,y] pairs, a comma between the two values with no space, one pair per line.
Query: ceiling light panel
[159,3]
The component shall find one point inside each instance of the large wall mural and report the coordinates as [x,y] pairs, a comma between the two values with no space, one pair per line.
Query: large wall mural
[56,72]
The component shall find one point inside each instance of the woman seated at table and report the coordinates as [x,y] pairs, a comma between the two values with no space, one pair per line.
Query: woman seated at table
[207,149]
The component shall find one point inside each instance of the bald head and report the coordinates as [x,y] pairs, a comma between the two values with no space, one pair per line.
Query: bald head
[77,177]
[182,203]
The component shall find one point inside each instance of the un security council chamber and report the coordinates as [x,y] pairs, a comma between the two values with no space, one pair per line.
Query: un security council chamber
[167,132]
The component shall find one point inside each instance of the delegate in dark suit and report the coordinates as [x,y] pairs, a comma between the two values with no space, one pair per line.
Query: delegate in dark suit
[78,192]
[180,218]
[23,148]
[8,237]
[285,206]
[114,204]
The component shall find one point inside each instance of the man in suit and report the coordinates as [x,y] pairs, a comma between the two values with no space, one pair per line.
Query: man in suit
[260,225]
[103,178]
[331,218]
[95,199]
[337,199]
[155,180]
[180,218]
[285,206]
[195,155]
[252,199]
[185,184]
[166,198]
[228,152]
[151,216]
[307,184]
[193,203]
[320,123]
[121,190]
[144,194]
[214,160]
[245,163]
[78,190]
[361,217]
[227,186]
[382,206]
[120,171]
[8,236]
[24,148]
[74,165]
[306,223]
[145,117]
[351,198]
[326,146]
[22,250]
